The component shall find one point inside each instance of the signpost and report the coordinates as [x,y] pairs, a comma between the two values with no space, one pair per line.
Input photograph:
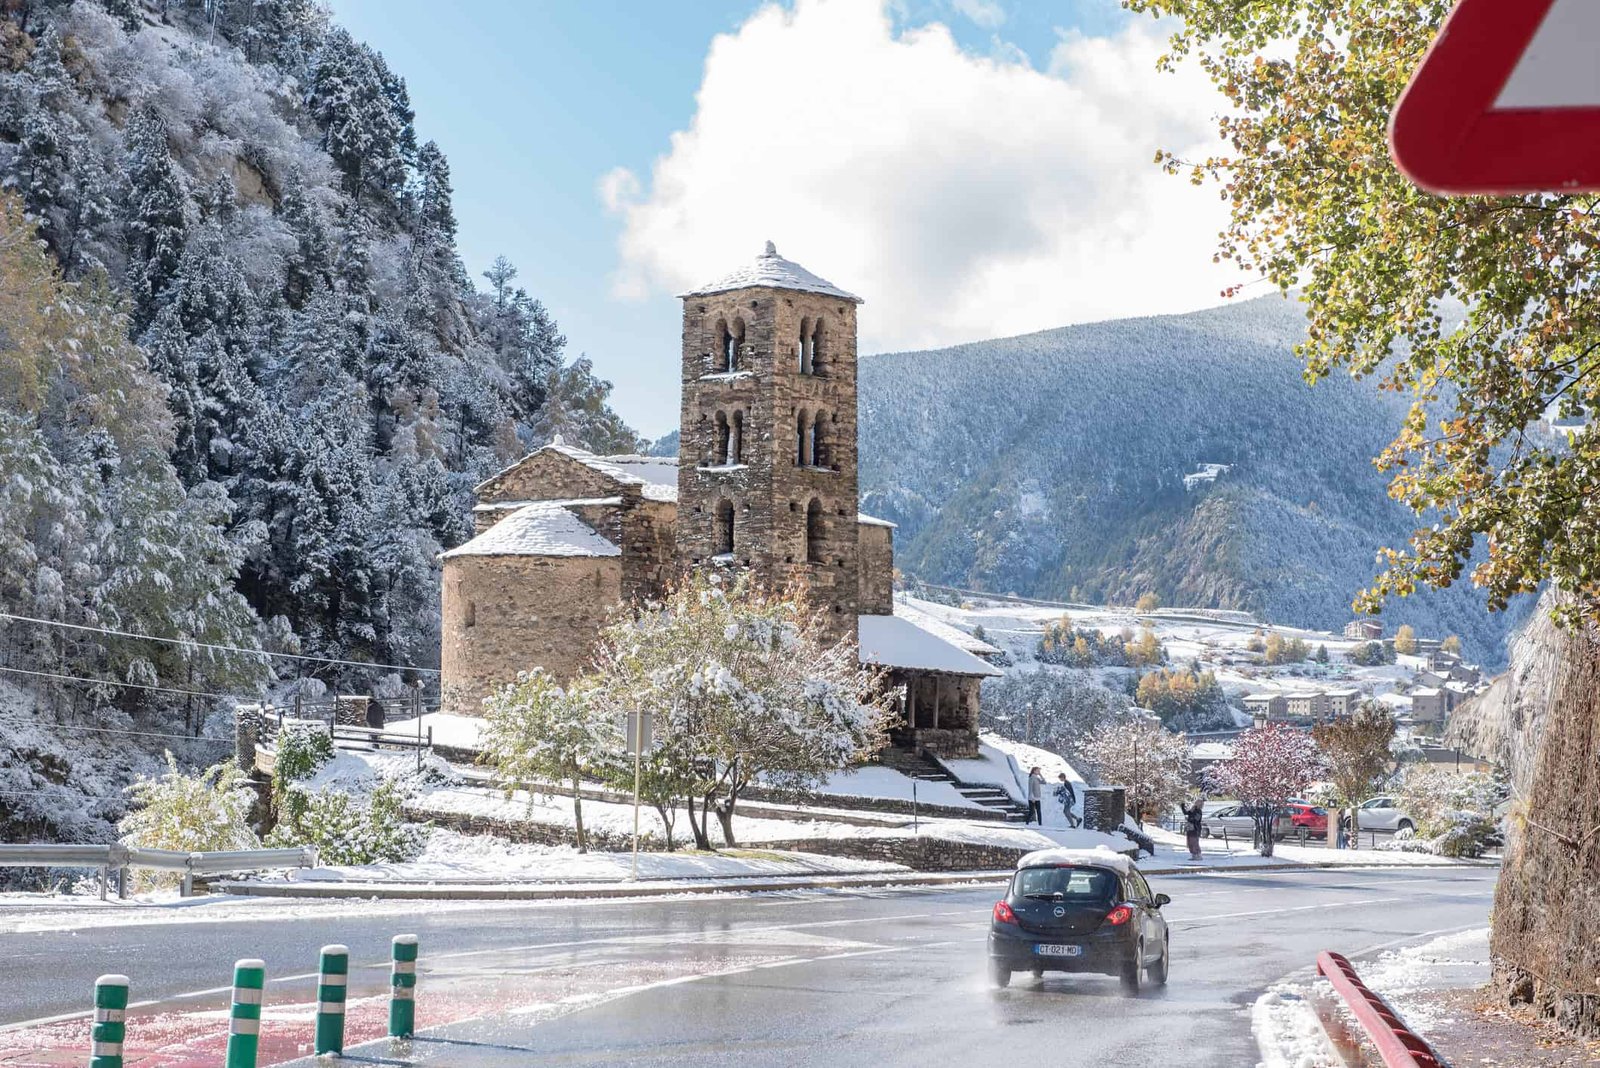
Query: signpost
[639,729]
[1506,101]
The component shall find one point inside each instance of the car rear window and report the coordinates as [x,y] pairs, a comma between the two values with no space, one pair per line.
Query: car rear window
[1085,884]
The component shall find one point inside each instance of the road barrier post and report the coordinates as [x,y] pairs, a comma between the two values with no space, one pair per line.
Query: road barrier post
[403,987]
[110,1026]
[244,1018]
[333,974]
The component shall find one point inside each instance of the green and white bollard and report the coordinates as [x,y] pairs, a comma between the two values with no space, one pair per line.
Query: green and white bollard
[333,975]
[403,987]
[244,1019]
[110,1013]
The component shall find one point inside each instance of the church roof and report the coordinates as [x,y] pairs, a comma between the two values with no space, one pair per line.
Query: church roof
[890,641]
[948,632]
[543,528]
[774,272]
[656,476]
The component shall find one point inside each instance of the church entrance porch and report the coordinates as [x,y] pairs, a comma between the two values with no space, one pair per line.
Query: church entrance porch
[937,712]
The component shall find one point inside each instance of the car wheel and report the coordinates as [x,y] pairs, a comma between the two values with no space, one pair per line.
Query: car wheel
[999,974]
[1157,973]
[1133,970]
[1406,825]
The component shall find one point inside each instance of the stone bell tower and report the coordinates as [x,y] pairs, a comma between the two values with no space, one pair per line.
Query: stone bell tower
[767,474]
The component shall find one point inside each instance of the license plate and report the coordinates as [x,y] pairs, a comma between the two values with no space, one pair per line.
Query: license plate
[1057,951]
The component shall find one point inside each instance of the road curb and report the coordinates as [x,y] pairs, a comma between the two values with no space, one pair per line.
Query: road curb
[346,891]
[724,885]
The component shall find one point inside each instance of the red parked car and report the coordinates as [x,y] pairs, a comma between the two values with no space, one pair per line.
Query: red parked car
[1312,818]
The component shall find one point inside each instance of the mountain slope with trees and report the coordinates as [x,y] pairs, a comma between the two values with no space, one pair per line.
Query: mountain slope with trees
[1054,465]
[246,381]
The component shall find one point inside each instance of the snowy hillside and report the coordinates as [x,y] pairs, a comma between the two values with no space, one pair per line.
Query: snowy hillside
[1182,455]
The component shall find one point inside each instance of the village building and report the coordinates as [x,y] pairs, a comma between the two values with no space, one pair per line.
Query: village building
[1307,706]
[1364,630]
[1342,704]
[765,481]
[1266,707]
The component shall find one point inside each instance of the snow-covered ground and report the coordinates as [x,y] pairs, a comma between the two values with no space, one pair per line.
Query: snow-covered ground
[450,857]
[1172,852]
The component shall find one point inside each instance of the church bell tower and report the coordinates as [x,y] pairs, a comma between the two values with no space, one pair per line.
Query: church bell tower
[767,476]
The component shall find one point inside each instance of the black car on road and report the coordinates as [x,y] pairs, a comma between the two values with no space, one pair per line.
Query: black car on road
[1079,910]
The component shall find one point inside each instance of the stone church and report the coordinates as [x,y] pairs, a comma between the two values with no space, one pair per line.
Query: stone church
[765,479]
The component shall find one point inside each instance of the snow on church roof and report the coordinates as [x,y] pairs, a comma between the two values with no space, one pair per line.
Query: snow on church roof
[775,272]
[656,476]
[945,631]
[543,528]
[890,641]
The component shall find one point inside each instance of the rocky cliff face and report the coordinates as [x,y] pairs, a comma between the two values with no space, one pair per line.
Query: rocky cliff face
[1506,722]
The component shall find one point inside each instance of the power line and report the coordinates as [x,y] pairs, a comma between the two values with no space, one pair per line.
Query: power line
[109,682]
[220,648]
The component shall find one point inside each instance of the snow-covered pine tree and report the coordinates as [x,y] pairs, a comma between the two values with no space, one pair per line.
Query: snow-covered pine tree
[156,212]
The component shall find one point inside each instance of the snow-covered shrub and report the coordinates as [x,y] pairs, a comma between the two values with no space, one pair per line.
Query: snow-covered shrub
[347,829]
[206,810]
[302,748]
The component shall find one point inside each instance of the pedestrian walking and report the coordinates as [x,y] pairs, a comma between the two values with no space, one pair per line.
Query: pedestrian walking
[1068,798]
[1192,817]
[375,714]
[1035,797]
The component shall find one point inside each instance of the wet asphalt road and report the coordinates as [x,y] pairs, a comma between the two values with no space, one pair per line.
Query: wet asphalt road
[875,978]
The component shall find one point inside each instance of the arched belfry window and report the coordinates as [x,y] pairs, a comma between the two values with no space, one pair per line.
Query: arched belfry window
[732,344]
[803,347]
[736,439]
[814,348]
[722,541]
[819,449]
[719,351]
[802,431]
[722,444]
[816,532]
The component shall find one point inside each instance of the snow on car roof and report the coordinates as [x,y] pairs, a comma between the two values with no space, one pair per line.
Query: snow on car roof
[1099,856]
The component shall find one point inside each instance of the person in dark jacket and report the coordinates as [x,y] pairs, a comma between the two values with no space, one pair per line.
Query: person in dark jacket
[1067,797]
[1342,831]
[1193,815]
[375,715]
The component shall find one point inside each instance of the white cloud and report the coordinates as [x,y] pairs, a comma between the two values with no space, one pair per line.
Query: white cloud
[963,196]
[986,13]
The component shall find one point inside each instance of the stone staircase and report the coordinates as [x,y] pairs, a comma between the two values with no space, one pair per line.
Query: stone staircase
[926,769]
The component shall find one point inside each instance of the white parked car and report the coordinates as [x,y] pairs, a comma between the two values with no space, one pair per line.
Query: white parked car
[1385,814]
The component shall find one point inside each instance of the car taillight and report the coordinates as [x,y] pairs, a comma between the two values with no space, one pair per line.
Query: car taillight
[1003,913]
[1119,915]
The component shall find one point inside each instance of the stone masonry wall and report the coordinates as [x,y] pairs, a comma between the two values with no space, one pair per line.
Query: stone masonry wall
[504,614]
[877,569]
[649,549]
[547,476]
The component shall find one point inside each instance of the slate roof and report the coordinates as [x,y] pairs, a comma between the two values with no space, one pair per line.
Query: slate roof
[774,272]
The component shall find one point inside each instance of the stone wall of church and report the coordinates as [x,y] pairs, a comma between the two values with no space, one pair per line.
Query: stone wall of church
[546,476]
[877,569]
[649,549]
[505,614]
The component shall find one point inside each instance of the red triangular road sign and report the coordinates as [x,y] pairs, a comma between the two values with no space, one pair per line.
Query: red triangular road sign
[1507,101]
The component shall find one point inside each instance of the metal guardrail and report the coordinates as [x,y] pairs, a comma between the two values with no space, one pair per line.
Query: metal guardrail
[1397,1044]
[119,859]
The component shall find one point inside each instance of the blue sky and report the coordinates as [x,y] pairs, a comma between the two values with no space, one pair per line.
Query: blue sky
[535,104]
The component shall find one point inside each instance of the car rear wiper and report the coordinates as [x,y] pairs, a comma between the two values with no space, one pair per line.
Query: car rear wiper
[1044,897]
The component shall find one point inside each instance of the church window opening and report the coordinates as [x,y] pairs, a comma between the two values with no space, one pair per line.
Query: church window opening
[719,360]
[736,439]
[814,347]
[816,532]
[802,428]
[731,346]
[724,528]
[819,452]
[719,454]
[803,347]
[470,616]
